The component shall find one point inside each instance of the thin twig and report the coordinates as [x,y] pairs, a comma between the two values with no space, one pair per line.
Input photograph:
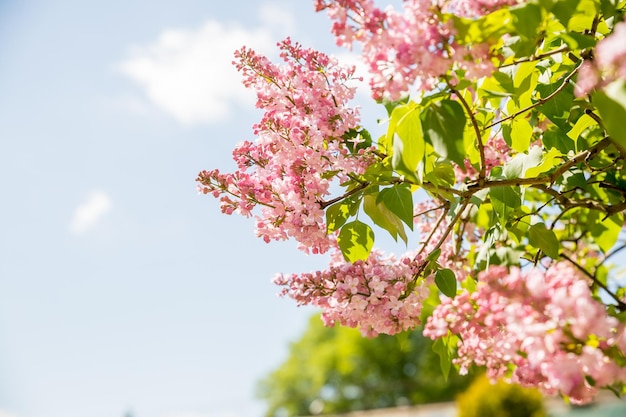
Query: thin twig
[481,146]
[549,178]
[539,57]
[620,148]
[620,304]
[539,102]
[362,186]
[430,236]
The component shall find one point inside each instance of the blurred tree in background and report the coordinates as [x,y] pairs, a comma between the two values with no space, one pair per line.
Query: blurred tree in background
[486,399]
[336,370]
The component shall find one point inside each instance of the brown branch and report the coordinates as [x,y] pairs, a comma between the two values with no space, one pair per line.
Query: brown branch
[620,304]
[481,146]
[549,178]
[539,57]
[446,233]
[432,233]
[569,203]
[323,204]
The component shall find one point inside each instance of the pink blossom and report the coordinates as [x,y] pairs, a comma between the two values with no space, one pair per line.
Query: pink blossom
[379,295]
[545,326]
[284,177]
[609,63]
[411,48]
[497,153]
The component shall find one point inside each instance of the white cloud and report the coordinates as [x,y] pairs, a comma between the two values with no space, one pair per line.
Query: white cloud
[88,214]
[4,413]
[189,73]
[361,70]
[274,15]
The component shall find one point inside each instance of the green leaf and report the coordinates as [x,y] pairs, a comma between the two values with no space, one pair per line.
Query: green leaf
[611,104]
[445,360]
[356,240]
[507,195]
[545,239]
[383,217]
[505,200]
[444,123]
[556,139]
[399,200]
[581,125]
[434,255]
[336,216]
[526,20]
[483,29]
[442,174]
[446,282]
[405,131]
[548,161]
[516,167]
[521,134]
[391,105]
[606,232]
[557,109]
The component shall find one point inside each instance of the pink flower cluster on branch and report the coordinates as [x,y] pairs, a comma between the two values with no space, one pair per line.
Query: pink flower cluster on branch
[378,295]
[382,294]
[538,328]
[287,172]
[412,48]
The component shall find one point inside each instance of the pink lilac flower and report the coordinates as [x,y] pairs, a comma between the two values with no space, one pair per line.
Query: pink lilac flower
[609,63]
[382,294]
[497,153]
[610,53]
[284,176]
[379,295]
[411,48]
[537,328]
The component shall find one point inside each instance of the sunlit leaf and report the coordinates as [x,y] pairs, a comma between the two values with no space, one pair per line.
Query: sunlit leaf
[356,240]
[383,217]
[444,123]
[399,200]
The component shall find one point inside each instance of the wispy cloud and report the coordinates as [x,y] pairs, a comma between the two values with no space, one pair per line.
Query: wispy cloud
[188,72]
[276,16]
[88,214]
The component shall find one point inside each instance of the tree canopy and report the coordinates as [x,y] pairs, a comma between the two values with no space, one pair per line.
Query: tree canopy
[335,370]
[504,158]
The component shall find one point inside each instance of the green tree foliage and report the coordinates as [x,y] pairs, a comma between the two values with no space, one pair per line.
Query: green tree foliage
[486,399]
[336,370]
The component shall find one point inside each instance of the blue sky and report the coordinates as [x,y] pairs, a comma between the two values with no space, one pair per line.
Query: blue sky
[120,287]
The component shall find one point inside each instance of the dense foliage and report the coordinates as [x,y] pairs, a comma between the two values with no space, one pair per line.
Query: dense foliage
[334,370]
[507,116]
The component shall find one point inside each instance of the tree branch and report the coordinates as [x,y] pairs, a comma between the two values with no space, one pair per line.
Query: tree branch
[539,57]
[323,204]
